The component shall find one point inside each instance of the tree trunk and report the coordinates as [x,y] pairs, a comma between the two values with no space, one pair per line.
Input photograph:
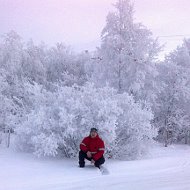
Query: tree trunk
[165,138]
[187,137]
[8,138]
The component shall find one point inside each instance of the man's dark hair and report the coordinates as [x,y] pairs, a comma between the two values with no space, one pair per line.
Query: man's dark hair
[94,130]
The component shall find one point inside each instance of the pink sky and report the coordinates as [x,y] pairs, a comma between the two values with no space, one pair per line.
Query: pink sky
[79,22]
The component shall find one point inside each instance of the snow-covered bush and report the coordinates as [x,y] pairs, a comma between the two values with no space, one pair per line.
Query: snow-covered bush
[134,131]
[61,119]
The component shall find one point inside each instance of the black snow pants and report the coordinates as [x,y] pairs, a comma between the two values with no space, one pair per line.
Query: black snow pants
[83,156]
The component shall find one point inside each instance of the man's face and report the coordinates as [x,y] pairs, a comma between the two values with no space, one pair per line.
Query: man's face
[93,134]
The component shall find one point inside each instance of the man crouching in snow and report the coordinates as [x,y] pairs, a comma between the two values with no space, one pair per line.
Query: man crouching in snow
[92,148]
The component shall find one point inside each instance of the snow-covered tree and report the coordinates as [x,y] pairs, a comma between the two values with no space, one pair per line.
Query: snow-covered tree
[65,67]
[5,106]
[11,54]
[128,54]
[34,63]
[11,48]
[173,111]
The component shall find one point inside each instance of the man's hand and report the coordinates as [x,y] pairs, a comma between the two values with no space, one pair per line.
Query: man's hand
[89,154]
[92,161]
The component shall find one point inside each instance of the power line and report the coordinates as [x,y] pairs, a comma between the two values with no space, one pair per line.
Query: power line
[170,39]
[173,36]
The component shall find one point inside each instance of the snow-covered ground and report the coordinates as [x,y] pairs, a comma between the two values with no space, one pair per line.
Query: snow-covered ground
[164,169]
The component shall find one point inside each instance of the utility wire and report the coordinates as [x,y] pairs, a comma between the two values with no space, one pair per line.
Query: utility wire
[173,36]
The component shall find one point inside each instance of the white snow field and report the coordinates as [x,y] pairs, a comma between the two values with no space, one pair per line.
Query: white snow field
[165,169]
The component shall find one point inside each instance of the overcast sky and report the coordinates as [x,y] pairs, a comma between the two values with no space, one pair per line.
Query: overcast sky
[79,22]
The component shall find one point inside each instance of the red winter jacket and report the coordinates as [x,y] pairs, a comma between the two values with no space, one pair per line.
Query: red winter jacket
[94,145]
